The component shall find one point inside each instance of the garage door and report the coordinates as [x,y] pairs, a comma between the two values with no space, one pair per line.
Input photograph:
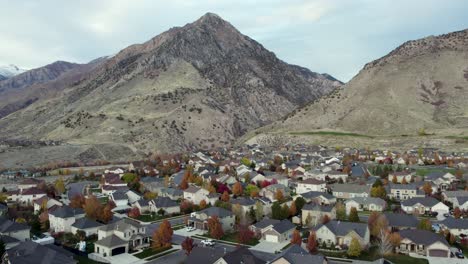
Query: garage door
[118,250]
[271,238]
[438,253]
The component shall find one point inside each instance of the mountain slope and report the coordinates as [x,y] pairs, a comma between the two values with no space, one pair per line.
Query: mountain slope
[201,85]
[26,88]
[423,84]
[10,70]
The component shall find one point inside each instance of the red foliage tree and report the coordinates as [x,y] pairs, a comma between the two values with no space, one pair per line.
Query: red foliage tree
[296,238]
[187,245]
[312,242]
[77,201]
[222,188]
[244,234]
[265,183]
[134,212]
[215,227]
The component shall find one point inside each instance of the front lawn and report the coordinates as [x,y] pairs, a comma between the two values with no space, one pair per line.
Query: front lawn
[405,259]
[426,171]
[150,252]
[153,217]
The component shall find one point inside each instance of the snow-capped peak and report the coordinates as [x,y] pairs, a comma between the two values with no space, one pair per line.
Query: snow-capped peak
[10,70]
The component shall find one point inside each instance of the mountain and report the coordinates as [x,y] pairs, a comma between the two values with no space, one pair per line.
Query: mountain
[10,70]
[198,86]
[421,86]
[19,91]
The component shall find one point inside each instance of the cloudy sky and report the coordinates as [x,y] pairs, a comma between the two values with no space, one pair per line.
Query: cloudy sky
[333,36]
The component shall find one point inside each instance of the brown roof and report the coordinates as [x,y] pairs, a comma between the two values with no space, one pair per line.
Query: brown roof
[32,191]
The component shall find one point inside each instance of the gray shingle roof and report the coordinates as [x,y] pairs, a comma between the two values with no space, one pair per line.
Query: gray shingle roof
[218,211]
[29,252]
[350,188]
[243,201]
[164,202]
[111,241]
[7,226]
[312,194]
[297,255]
[66,212]
[423,237]
[318,208]
[204,255]
[426,201]
[340,228]
[266,222]
[283,226]
[451,223]
[401,220]
[368,200]
[85,223]
[242,255]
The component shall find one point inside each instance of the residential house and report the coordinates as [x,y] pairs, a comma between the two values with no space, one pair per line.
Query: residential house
[29,183]
[348,191]
[443,180]
[270,191]
[400,176]
[298,255]
[26,196]
[334,175]
[120,199]
[424,205]
[398,222]
[461,202]
[403,192]
[422,242]
[165,204]
[132,196]
[263,225]
[312,214]
[30,252]
[173,193]
[119,237]
[239,255]
[46,202]
[365,204]
[63,217]
[323,198]
[86,225]
[245,203]
[199,219]
[207,255]
[279,232]
[14,230]
[457,227]
[313,185]
[341,233]
[451,196]
[142,205]
[196,194]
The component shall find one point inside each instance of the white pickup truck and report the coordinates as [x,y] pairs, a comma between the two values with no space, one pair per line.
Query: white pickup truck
[208,243]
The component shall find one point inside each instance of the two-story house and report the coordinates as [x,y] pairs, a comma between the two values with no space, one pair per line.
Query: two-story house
[199,219]
[313,185]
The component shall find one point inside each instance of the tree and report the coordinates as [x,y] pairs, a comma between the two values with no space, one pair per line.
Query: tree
[167,181]
[59,186]
[244,234]
[378,191]
[354,249]
[237,188]
[251,189]
[340,211]
[92,207]
[183,184]
[77,201]
[150,195]
[457,213]
[308,220]
[292,209]
[353,215]
[276,211]
[425,224]
[395,239]
[237,211]
[163,235]
[384,243]
[203,204]
[394,179]
[279,196]
[134,212]
[186,207]
[284,211]
[2,247]
[312,242]
[300,202]
[404,181]
[380,224]
[427,188]
[187,245]
[225,196]
[129,177]
[215,227]
[258,211]
[107,214]
[325,219]
[296,238]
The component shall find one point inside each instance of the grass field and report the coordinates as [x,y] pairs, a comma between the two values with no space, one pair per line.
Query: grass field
[330,133]
[426,171]
[404,259]
[150,252]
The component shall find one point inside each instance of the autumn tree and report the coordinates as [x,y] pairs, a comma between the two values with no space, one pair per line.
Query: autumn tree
[215,227]
[187,245]
[427,188]
[237,188]
[202,204]
[225,196]
[60,186]
[279,196]
[163,235]
[92,207]
[378,191]
[237,211]
[394,179]
[183,184]
[312,242]
[404,181]
[395,239]
[380,224]
[150,195]
[296,238]
[353,215]
[244,234]
[457,213]
[292,209]
[107,214]
[340,211]
[325,219]
[134,212]
[77,201]
[258,210]
[355,248]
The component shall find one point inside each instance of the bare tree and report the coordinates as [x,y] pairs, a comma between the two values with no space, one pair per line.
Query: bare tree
[384,244]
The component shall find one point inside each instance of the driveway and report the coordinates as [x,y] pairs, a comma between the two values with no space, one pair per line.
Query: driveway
[435,260]
[124,259]
[269,247]
[183,232]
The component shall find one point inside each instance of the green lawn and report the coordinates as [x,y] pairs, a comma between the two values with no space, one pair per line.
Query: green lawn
[165,253]
[426,171]
[404,259]
[330,133]
[150,252]
[153,217]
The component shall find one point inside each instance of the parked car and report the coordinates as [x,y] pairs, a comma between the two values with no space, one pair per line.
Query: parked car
[446,215]
[190,228]
[459,255]
[208,242]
